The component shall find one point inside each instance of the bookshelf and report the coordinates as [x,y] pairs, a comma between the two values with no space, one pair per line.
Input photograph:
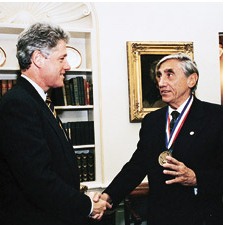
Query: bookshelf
[78,19]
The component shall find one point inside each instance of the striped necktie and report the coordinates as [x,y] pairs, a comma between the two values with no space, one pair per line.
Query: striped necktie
[51,106]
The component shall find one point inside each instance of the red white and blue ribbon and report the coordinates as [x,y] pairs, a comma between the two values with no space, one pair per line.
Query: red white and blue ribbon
[171,137]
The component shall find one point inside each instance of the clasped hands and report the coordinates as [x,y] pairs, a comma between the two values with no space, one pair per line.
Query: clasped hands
[100,204]
[183,175]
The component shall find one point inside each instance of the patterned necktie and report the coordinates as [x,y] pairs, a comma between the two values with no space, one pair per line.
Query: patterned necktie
[51,106]
[174,115]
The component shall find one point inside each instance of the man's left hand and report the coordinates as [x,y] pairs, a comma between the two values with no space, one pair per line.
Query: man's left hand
[183,175]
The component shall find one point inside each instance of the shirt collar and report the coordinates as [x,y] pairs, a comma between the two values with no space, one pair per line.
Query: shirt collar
[36,86]
[179,109]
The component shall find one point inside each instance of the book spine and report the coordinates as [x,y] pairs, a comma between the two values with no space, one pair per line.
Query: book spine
[81,93]
[9,85]
[68,92]
[91,166]
[72,92]
[4,86]
[87,92]
[91,132]
[84,166]
[79,163]
[75,91]
[91,92]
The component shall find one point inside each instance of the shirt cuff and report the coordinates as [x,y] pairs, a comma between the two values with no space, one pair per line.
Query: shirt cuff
[92,205]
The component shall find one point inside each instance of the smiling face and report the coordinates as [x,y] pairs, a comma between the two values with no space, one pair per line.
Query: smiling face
[48,69]
[174,85]
[55,66]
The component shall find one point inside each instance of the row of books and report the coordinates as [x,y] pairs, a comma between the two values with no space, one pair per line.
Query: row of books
[76,91]
[81,132]
[6,85]
[86,165]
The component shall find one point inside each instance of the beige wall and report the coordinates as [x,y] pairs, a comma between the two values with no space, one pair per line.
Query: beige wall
[121,22]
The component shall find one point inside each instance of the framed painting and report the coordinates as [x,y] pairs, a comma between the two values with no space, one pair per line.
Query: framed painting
[142,58]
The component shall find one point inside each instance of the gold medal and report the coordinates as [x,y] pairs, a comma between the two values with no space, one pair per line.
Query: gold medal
[162,157]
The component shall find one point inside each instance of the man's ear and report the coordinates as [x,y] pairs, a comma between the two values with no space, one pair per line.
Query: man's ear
[192,80]
[38,58]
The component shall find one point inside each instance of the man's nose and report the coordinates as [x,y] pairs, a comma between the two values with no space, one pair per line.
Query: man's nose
[67,65]
[161,81]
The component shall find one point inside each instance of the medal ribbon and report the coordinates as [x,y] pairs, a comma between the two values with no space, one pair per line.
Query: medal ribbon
[170,138]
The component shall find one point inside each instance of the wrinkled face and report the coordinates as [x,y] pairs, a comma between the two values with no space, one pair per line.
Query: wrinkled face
[55,66]
[173,85]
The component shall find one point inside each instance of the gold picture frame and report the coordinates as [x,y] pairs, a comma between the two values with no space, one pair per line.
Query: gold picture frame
[142,56]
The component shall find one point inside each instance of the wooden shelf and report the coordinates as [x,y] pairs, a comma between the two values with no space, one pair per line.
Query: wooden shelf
[73,107]
[83,146]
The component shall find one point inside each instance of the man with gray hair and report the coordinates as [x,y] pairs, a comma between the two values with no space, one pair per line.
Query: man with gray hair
[180,150]
[39,175]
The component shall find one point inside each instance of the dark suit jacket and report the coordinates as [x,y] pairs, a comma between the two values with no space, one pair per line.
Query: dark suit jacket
[202,151]
[39,177]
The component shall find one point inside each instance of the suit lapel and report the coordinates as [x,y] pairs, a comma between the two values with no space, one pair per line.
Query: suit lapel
[160,130]
[67,147]
[43,106]
[192,126]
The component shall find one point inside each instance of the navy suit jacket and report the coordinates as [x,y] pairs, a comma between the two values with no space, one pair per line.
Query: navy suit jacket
[39,177]
[199,146]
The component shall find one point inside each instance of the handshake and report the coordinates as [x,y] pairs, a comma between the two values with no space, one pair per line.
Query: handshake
[100,204]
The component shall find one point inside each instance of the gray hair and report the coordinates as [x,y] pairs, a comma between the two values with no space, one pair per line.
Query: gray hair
[188,66]
[39,36]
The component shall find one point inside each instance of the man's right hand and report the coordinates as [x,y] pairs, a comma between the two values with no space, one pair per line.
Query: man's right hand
[99,206]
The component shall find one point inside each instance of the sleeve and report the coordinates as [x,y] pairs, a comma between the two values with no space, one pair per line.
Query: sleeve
[132,173]
[27,154]
[210,178]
